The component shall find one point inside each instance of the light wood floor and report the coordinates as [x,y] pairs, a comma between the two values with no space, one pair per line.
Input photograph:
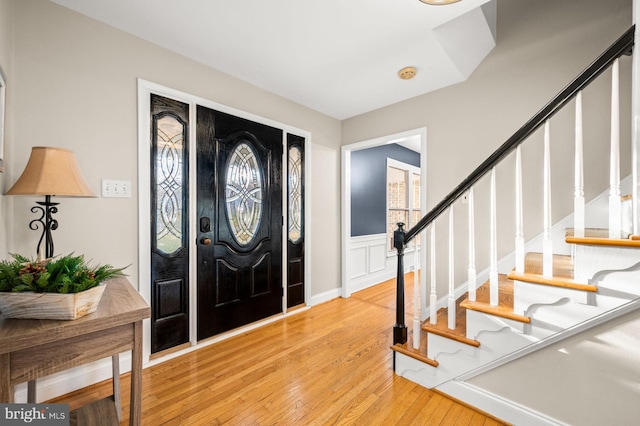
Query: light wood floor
[329,365]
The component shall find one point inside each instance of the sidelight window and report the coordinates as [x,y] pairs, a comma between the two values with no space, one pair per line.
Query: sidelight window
[295,194]
[169,171]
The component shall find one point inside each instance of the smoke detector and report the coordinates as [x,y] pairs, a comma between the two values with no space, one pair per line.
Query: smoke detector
[407,73]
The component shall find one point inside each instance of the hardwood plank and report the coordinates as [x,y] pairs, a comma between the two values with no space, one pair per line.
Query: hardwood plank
[330,364]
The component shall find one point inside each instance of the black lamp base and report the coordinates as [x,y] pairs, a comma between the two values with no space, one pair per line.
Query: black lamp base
[46,209]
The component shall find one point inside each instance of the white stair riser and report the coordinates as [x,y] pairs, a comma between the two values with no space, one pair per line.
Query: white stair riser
[547,320]
[438,345]
[588,260]
[478,322]
[617,287]
[527,294]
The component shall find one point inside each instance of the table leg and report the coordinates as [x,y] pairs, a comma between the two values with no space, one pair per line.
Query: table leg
[31,391]
[135,413]
[115,367]
[6,390]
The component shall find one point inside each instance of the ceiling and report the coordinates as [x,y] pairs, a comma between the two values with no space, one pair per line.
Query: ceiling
[338,57]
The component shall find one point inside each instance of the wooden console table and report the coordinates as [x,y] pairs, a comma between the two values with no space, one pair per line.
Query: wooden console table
[34,348]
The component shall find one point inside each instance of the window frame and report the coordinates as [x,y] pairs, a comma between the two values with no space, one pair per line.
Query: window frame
[410,171]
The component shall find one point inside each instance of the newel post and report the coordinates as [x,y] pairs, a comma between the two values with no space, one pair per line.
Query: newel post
[399,329]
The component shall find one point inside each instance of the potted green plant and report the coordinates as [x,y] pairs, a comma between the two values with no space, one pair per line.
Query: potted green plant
[64,287]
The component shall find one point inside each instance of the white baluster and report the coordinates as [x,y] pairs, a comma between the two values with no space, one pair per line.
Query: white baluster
[493,244]
[452,297]
[615,202]
[547,242]
[471,275]
[433,296]
[578,195]
[635,124]
[416,300]
[519,216]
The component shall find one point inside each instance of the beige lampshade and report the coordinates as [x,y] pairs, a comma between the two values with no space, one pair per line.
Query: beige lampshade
[51,171]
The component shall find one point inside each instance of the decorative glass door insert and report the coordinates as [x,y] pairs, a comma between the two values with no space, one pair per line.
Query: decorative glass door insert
[295,194]
[244,193]
[169,189]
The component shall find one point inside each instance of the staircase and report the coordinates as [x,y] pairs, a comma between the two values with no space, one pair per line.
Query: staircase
[545,293]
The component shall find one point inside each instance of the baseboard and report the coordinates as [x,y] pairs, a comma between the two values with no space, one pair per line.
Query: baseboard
[325,297]
[501,408]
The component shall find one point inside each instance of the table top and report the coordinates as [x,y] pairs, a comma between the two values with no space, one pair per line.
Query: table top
[120,304]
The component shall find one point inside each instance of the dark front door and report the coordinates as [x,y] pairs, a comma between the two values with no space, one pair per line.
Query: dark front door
[239,207]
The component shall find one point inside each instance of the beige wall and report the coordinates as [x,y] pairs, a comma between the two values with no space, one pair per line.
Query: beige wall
[75,86]
[541,46]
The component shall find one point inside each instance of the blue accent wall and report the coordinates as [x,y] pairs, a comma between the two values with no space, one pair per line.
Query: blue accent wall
[369,186]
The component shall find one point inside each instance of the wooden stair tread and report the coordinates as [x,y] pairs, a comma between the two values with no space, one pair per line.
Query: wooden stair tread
[442,329]
[600,237]
[408,350]
[562,273]
[505,300]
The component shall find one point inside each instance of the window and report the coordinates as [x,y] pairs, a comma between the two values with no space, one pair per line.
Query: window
[403,198]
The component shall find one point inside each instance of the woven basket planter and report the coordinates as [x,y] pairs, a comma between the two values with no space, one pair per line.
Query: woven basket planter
[53,306]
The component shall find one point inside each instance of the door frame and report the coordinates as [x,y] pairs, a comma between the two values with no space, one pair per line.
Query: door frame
[144,90]
[346,150]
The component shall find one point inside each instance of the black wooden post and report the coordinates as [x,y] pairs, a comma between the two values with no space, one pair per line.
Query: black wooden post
[399,329]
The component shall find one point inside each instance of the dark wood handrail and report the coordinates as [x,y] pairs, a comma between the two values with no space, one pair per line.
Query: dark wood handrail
[620,47]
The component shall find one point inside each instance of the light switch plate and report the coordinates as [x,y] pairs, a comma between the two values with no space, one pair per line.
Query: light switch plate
[116,188]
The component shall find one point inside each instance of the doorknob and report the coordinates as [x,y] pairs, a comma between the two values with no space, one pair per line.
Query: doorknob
[205,241]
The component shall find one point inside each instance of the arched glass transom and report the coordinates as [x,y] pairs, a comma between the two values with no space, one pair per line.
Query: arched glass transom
[243,196]
[169,188]
[295,194]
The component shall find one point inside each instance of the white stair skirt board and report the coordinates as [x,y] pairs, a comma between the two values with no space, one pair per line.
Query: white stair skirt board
[588,260]
[526,294]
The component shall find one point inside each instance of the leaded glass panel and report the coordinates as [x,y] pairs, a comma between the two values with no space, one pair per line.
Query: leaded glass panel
[243,195]
[169,187]
[295,194]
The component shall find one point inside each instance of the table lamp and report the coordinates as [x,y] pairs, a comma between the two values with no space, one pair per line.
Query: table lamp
[50,172]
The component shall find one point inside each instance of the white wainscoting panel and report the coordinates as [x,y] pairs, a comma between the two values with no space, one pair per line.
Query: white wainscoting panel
[369,262]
